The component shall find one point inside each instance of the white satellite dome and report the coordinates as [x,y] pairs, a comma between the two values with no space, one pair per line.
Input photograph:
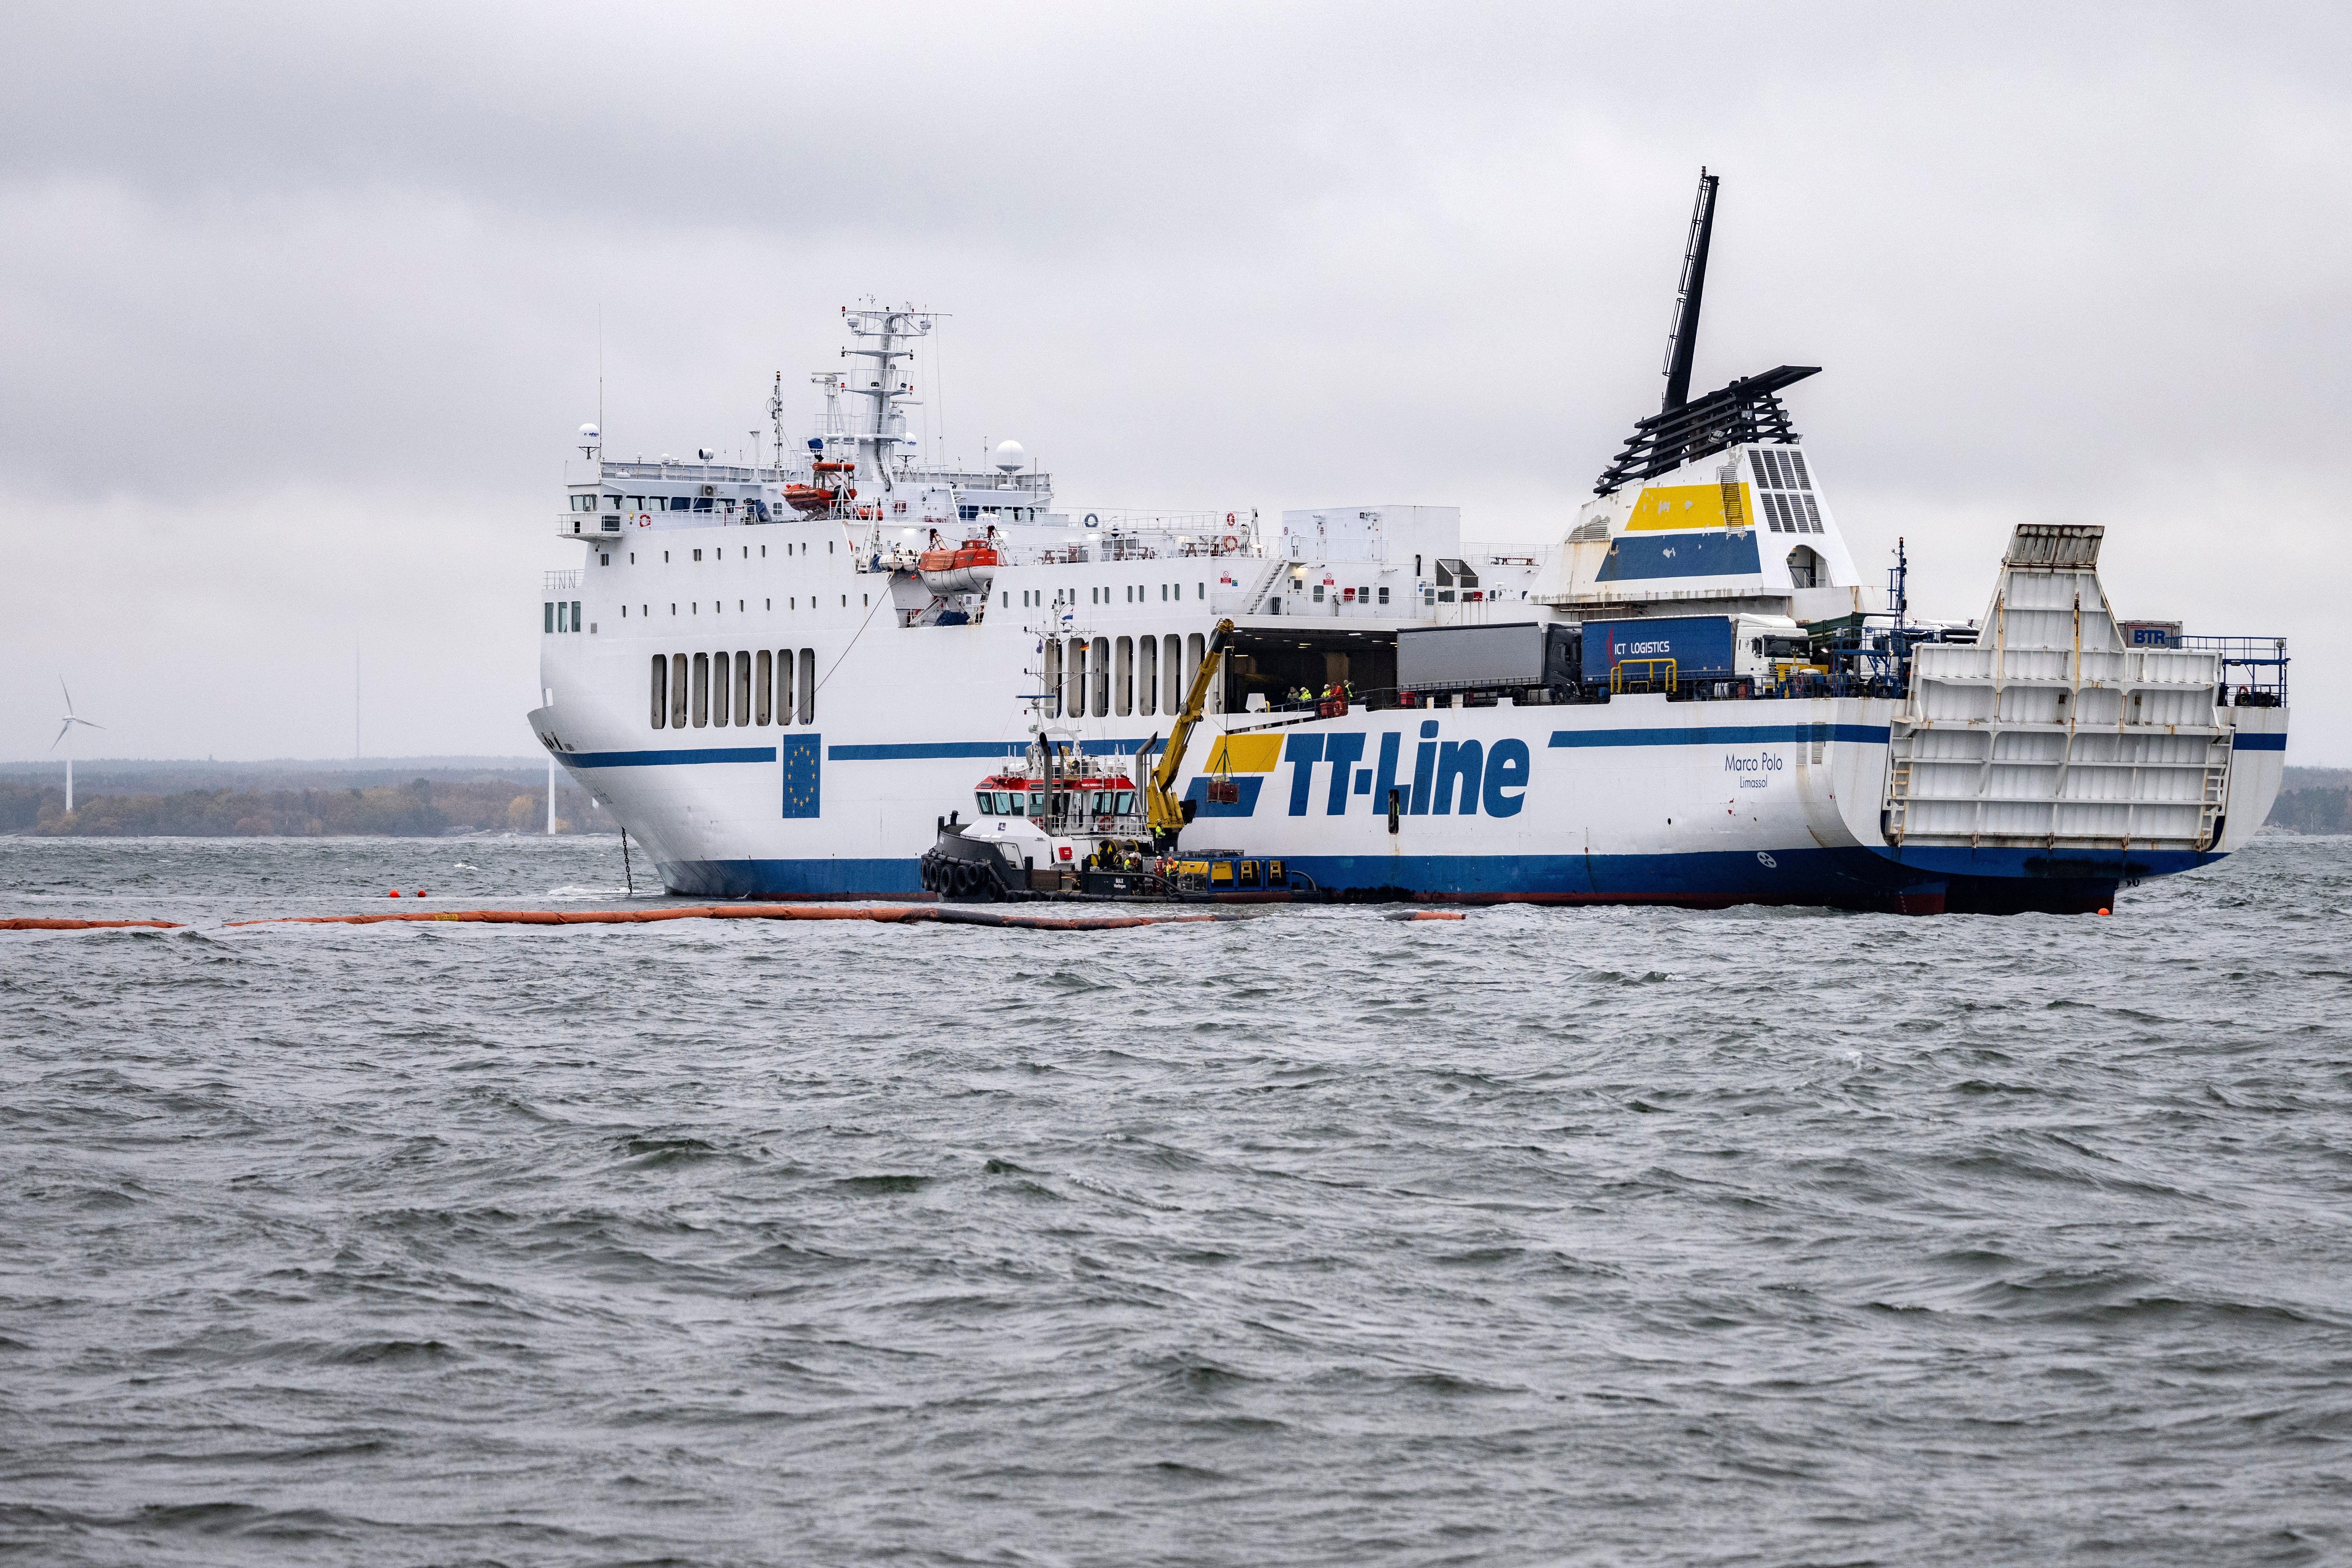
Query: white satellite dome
[1010,457]
[589,432]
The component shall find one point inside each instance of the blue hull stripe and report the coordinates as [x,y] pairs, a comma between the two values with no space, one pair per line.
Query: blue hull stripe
[2258,742]
[1726,735]
[925,752]
[935,751]
[1850,878]
[665,759]
[1734,735]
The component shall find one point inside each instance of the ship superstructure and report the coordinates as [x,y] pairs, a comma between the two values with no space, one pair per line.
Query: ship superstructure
[779,675]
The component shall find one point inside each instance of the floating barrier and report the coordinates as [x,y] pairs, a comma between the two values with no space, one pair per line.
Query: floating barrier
[891,914]
[885,914]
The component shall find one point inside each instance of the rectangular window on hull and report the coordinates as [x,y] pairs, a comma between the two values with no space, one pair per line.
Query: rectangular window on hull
[1102,678]
[1052,677]
[547,614]
[784,666]
[1123,680]
[576,622]
[1172,697]
[677,685]
[743,687]
[701,691]
[1147,674]
[661,692]
[763,686]
[1075,681]
[808,686]
[721,684]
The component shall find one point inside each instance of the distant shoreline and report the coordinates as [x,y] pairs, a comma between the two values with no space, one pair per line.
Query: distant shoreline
[417,798]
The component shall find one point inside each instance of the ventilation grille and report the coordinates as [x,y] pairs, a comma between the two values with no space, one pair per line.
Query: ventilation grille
[1786,490]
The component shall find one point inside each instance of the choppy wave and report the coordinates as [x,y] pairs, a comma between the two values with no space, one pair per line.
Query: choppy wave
[1606,1235]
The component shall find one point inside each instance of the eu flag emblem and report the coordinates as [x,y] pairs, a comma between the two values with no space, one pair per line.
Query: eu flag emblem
[803,759]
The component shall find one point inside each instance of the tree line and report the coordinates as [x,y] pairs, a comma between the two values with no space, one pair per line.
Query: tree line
[420,809]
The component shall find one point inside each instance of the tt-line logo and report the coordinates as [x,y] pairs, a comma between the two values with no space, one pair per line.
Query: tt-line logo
[1450,778]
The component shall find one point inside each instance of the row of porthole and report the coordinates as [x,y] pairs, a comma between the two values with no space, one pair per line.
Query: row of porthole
[1101,677]
[742,607]
[743,688]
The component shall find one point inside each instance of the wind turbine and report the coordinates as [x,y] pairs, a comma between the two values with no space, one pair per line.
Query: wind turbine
[63,730]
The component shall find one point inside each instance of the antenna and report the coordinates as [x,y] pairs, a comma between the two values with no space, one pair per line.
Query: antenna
[1681,340]
[776,414]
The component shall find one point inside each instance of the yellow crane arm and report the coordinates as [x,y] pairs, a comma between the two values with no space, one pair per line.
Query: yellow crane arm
[1166,812]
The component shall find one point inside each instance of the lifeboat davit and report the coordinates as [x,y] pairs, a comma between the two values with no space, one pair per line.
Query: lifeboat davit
[967,569]
[808,497]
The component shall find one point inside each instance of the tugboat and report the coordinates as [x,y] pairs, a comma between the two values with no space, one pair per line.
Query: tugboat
[1064,825]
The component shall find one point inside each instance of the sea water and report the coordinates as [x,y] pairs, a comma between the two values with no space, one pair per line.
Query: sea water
[1604,1234]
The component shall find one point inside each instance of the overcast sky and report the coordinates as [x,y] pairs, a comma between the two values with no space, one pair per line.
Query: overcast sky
[300,304]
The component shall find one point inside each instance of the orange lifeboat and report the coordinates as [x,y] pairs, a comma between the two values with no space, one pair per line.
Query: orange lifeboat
[808,497]
[967,569]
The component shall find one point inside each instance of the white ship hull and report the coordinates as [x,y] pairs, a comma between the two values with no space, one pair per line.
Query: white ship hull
[1638,799]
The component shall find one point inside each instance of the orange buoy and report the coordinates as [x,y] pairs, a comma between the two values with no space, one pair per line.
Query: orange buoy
[2106,911]
[393,894]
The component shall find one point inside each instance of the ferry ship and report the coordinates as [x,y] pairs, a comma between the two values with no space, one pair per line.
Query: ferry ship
[778,676]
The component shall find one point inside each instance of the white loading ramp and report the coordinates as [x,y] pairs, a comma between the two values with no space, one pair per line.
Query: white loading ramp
[2050,732]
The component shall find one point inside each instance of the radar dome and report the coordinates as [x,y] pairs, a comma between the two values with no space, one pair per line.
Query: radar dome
[1010,457]
[589,432]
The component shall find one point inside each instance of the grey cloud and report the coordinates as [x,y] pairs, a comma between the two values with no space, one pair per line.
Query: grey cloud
[2084,262]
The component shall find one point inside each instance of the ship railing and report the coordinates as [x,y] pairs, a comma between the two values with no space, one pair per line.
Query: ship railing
[1202,527]
[2253,668]
[1623,679]
[731,474]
